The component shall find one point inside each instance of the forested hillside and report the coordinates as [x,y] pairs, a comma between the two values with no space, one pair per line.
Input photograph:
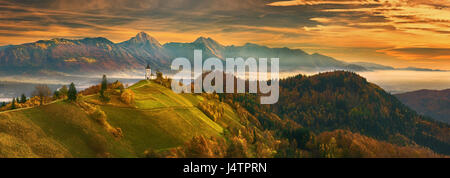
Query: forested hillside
[344,100]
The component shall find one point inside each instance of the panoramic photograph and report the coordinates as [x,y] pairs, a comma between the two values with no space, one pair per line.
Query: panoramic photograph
[225,79]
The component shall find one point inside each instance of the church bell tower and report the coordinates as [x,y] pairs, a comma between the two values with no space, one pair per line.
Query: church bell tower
[148,72]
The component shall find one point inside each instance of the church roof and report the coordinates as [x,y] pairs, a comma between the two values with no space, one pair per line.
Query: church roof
[148,67]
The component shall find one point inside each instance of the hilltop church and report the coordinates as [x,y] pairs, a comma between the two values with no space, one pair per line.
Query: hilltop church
[148,73]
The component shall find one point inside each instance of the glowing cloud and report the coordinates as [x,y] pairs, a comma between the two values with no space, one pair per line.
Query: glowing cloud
[319,2]
[337,28]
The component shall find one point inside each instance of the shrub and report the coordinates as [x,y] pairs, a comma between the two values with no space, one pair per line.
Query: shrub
[98,115]
[127,96]
[104,96]
[116,85]
[117,132]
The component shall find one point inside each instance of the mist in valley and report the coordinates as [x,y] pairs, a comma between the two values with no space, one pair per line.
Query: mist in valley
[393,81]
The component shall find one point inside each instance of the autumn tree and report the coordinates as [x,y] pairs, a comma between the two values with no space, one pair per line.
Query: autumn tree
[72,93]
[127,96]
[159,75]
[117,85]
[238,148]
[204,147]
[330,149]
[63,91]
[41,91]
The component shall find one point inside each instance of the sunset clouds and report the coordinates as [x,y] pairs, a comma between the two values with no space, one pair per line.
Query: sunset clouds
[396,32]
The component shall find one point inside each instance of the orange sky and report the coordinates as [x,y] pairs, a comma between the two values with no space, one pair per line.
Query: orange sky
[398,33]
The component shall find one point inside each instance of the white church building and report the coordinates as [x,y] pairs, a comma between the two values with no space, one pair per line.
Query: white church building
[148,73]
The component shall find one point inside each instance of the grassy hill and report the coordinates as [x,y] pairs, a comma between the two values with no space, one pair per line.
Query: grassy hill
[159,119]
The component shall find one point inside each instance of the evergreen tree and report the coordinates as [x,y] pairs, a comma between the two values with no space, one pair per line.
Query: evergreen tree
[103,86]
[72,93]
[56,94]
[13,103]
[23,98]
[3,104]
[301,136]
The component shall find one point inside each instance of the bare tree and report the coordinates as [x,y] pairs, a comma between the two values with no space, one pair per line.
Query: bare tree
[42,91]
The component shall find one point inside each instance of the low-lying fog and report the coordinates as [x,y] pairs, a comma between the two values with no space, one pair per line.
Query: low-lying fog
[400,81]
[14,86]
[393,81]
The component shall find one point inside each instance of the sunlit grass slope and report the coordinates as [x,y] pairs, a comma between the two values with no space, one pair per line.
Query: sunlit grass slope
[47,130]
[158,119]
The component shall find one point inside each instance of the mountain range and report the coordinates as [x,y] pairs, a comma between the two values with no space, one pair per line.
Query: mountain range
[100,55]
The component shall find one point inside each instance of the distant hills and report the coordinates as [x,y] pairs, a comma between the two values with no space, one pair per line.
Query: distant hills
[432,103]
[421,69]
[100,55]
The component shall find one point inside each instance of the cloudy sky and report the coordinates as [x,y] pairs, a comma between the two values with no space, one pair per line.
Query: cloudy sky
[399,33]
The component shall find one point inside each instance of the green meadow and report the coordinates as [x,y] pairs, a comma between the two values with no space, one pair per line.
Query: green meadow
[158,119]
